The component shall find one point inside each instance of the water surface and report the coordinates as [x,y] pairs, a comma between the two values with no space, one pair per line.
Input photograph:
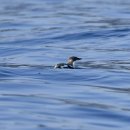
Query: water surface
[35,35]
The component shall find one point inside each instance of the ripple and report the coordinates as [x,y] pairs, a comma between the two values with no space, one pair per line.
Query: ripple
[113,64]
[37,34]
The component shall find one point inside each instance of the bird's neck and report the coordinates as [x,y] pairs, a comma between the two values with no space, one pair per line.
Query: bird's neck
[70,62]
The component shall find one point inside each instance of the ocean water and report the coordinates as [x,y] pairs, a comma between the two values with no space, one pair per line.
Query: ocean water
[37,34]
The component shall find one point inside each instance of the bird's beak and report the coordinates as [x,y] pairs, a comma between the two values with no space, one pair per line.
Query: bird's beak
[79,59]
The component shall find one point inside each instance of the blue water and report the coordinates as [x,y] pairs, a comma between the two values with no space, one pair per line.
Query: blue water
[37,34]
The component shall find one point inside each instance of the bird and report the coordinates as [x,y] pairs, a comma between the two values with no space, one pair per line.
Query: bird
[70,63]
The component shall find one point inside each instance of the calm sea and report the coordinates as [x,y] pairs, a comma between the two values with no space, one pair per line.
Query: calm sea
[37,34]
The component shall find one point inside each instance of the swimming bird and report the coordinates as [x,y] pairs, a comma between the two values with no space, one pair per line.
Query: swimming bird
[70,63]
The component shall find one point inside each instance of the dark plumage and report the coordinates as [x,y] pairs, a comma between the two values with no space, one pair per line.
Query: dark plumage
[69,64]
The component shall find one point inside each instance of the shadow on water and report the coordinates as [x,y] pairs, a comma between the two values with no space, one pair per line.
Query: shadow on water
[25,65]
[111,64]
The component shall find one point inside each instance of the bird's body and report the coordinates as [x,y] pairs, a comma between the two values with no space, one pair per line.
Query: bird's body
[69,64]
